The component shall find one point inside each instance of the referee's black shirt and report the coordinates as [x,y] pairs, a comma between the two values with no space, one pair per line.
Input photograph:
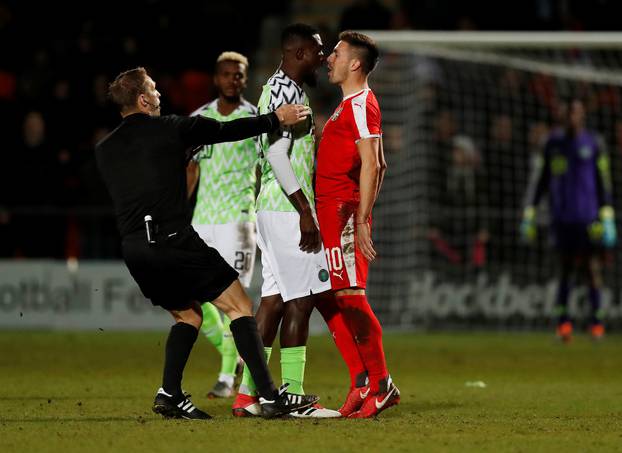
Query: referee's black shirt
[143,163]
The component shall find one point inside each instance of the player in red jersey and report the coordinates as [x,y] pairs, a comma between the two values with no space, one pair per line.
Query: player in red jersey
[350,168]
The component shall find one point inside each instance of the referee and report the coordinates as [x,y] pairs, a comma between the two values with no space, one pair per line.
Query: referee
[143,164]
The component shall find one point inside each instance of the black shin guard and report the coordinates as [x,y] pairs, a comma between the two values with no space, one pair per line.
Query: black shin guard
[178,346]
[250,347]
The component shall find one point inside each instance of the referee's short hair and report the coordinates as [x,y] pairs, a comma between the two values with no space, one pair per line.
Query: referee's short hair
[127,86]
[365,48]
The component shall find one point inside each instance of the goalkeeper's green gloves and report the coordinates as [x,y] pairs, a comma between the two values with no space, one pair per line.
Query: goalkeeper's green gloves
[528,229]
[604,230]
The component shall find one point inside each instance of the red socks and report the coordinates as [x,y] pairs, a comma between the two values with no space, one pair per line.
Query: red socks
[367,332]
[344,340]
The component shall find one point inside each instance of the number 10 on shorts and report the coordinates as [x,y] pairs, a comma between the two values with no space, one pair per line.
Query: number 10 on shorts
[334,259]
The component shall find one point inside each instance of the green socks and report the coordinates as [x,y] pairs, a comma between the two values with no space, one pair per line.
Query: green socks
[228,350]
[212,325]
[247,387]
[293,368]
[219,334]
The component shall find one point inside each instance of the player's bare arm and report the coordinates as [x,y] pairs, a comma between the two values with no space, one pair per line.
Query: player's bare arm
[383,165]
[309,232]
[369,184]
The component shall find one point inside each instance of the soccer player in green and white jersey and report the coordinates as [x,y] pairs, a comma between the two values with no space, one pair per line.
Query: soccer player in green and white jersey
[224,215]
[294,266]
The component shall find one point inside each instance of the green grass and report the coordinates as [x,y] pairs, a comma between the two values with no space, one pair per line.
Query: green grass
[92,392]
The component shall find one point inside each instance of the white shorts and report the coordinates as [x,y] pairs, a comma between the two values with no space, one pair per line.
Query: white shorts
[286,269]
[236,243]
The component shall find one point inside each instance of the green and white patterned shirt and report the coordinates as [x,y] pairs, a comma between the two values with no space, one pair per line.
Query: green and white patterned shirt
[279,90]
[226,187]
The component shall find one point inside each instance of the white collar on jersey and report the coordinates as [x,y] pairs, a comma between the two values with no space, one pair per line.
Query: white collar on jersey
[244,105]
[356,94]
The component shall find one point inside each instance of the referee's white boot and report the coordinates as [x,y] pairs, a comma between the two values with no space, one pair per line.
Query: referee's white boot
[285,403]
[315,411]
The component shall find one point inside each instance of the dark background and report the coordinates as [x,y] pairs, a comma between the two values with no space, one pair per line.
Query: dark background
[58,58]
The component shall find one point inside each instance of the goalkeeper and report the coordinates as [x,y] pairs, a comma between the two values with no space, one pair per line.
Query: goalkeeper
[574,170]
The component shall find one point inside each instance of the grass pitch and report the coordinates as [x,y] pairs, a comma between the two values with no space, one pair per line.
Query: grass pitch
[69,392]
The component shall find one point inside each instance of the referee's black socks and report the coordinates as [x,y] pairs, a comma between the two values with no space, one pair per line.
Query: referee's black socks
[178,346]
[250,347]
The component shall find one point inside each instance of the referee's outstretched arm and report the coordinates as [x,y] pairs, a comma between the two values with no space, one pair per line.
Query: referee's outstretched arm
[198,130]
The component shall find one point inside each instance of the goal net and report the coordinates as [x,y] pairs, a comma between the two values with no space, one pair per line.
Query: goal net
[465,116]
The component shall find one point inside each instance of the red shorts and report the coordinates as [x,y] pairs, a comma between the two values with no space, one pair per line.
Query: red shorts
[346,264]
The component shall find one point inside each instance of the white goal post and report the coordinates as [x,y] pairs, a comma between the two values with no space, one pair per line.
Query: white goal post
[464,117]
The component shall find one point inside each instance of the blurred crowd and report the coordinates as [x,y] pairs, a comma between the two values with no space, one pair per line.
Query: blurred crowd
[57,64]
[484,133]
[54,76]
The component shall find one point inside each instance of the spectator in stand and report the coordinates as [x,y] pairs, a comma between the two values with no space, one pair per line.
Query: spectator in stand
[37,189]
[461,232]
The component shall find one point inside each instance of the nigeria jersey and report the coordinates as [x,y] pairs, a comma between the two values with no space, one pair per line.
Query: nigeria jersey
[226,187]
[279,90]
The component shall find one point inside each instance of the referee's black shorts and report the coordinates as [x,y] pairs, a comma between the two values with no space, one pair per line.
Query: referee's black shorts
[178,269]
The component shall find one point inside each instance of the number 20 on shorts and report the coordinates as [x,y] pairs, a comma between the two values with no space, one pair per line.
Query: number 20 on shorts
[242,261]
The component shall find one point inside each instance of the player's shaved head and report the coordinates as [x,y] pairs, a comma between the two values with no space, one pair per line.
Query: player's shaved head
[293,35]
[302,46]
[363,47]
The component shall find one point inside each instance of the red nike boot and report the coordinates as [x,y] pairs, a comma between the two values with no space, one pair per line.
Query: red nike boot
[354,400]
[374,404]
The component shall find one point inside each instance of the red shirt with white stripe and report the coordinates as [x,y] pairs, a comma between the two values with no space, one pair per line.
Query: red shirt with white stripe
[338,159]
